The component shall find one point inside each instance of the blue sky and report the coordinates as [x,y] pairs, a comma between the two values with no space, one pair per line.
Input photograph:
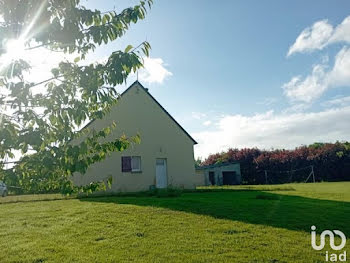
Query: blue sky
[222,69]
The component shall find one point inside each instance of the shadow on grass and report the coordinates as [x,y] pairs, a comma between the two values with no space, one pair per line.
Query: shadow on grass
[255,207]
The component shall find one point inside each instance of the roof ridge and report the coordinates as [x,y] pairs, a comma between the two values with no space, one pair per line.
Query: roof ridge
[136,82]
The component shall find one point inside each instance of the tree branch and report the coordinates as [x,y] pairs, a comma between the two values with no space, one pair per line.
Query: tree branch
[47,80]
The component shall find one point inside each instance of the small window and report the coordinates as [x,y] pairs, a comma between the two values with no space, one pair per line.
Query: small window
[126,164]
[131,164]
[136,164]
[160,162]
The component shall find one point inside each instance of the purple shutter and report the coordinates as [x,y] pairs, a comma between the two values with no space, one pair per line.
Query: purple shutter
[126,164]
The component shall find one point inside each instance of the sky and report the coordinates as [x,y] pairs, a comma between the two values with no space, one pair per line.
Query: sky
[236,74]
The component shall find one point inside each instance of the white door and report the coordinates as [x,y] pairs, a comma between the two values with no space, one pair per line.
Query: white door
[161,176]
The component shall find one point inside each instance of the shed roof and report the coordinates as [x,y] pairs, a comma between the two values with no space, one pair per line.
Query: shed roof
[215,165]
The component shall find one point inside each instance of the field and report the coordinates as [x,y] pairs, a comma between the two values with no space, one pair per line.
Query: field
[227,224]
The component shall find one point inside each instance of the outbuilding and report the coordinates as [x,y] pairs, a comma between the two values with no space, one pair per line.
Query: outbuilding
[221,174]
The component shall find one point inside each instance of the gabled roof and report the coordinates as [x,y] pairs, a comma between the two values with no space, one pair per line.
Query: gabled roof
[167,113]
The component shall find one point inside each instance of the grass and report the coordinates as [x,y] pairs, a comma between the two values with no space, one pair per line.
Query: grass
[227,224]
[32,198]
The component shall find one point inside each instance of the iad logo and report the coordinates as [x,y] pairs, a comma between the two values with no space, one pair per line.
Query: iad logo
[334,257]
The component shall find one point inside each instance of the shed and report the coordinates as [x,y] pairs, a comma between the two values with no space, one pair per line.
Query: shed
[221,174]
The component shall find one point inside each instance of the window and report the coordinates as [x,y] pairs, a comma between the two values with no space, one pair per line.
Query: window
[160,162]
[126,164]
[136,164]
[131,164]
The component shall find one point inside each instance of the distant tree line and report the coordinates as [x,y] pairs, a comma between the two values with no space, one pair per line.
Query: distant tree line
[330,161]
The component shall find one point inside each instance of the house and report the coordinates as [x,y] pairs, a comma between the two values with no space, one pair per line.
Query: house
[220,174]
[164,158]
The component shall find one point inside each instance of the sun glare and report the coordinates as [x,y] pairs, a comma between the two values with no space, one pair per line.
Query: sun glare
[15,49]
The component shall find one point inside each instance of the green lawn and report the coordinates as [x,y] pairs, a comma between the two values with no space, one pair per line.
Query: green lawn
[228,224]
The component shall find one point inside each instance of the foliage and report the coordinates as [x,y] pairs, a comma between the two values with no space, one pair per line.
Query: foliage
[42,126]
[331,162]
[197,162]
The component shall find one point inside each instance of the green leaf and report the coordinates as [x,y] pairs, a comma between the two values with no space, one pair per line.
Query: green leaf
[128,48]
[52,148]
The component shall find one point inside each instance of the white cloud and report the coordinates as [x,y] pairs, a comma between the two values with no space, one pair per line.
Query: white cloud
[340,74]
[274,130]
[154,71]
[342,32]
[306,90]
[337,101]
[198,115]
[319,35]
[297,107]
[207,123]
[320,80]
[315,37]
[267,101]
[43,61]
